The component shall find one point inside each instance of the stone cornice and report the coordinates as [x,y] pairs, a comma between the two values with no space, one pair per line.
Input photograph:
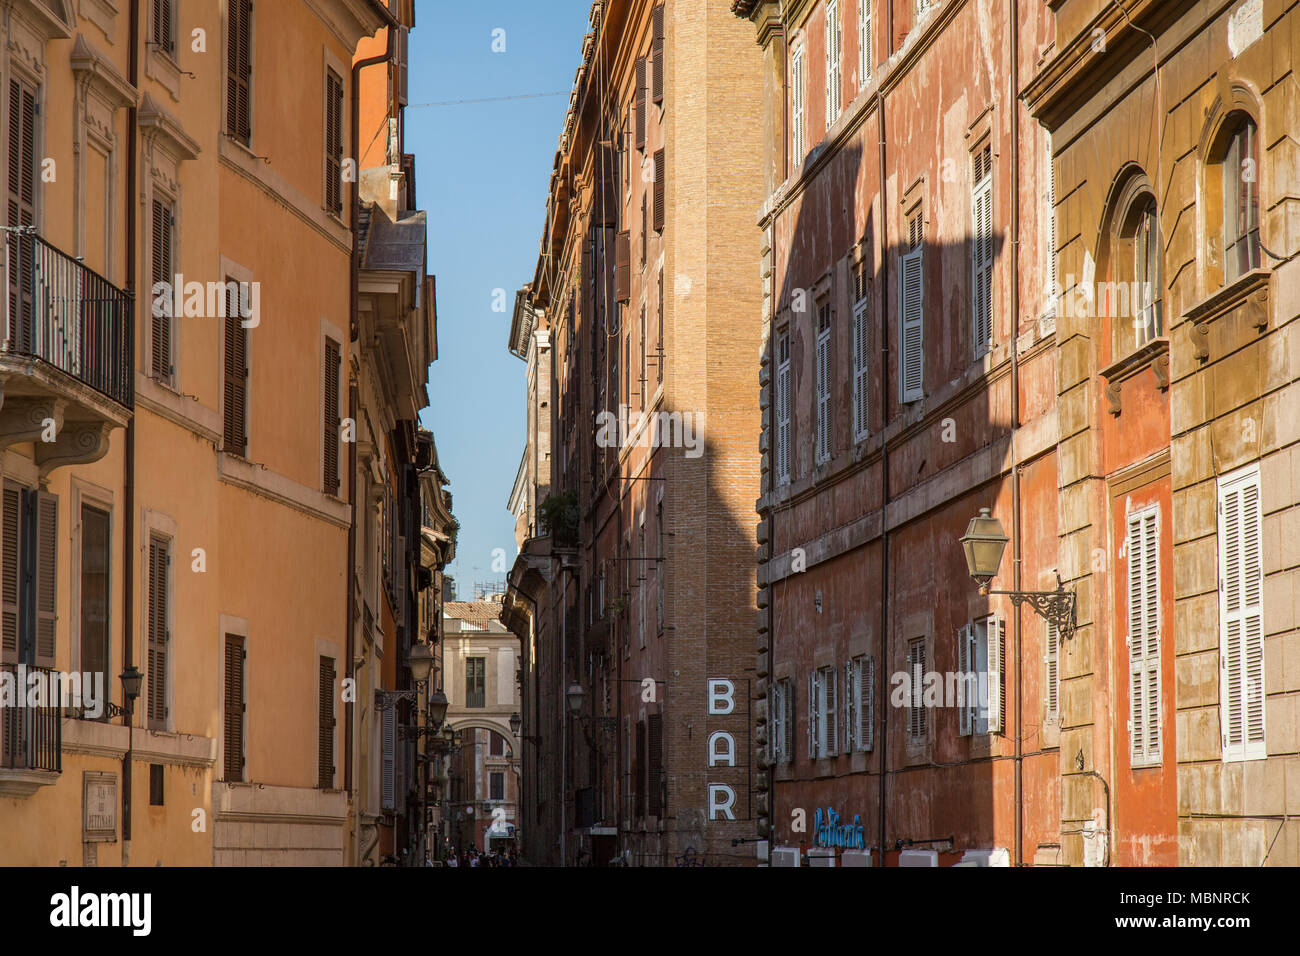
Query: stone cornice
[165,129]
[98,72]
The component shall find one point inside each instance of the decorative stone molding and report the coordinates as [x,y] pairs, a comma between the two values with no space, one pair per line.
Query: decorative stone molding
[163,129]
[1153,355]
[25,419]
[21,784]
[78,443]
[1250,293]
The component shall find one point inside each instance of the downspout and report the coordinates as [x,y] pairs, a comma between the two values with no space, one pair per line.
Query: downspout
[1016,527]
[128,452]
[884,463]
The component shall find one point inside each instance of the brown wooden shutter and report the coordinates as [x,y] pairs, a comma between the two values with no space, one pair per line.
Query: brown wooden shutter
[655,730]
[11,515]
[235,410]
[233,706]
[239,69]
[334,143]
[333,361]
[657,55]
[638,769]
[640,103]
[161,330]
[645,226]
[325,748]
[403,66]
[21,204]
[162,25]
[660,180]
[623,268]
[46,580]
[156,701]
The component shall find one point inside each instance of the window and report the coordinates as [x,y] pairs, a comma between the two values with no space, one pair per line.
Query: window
[640,99]
[95,561]
[235,395]
[497,785]
[239,70]
[659,329]
[864,43]
[163,33]
[1147,289]
[655,774]
[1052,673]
[330,420]
[638,769]
[1144,637]
[823,410]
[645,227]
[783,407]
[622,271]
[861,353]
[159,629]
[234,709]
[22,179]
[475,681]
[162,269]
[916,671]
[982,249]
[1241,202]
[325,732]
[28,576]
[660,190]
[496,744]
[156,788]
[981,650]
[644,564]
[659,567]
[860,694]
[797,118]
[388,753]
[657,55]
[834,42]
[1049,227]
[334,143]
[1241,617]
[911,354]
[822,730]
[782,722]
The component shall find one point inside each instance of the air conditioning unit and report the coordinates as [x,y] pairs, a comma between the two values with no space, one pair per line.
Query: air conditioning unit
[785,856]
[821,856]
[855,858]
[918,858]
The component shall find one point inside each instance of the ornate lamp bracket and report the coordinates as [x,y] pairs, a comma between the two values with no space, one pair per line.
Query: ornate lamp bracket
[1058,607]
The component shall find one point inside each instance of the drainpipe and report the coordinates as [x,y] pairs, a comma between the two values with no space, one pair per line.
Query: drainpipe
[883,677]
[1016,527]
[128,451]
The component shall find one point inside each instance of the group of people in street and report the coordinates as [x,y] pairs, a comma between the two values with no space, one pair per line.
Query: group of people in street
[473,856]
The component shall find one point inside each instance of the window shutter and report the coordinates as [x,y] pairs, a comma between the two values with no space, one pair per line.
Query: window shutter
[964,668]
[823,358]
[46,584]
[623,267]
[239,69]
[234,708]
[1051,673]
[640,102]
[334,142]
[1050,215]
[639,769]
[787,720]
[982,249]
[829,688]
[1241,670]
[656,747]
[812,715]
[864,43]
[9,551]
[157,633]
[21,205]
[852,704]
[1144,637]
[867,713]
[161,319]
[657,54]
[331,423]
[995,634]
[388,758]
[797,108]
[235,414]
[783,407]
[661,179]
[325,744]
[861,364]
[912,351]
[404,66]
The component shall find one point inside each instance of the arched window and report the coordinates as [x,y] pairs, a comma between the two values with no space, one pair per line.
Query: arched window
[1132,298]
[1240,167]
[1148,280]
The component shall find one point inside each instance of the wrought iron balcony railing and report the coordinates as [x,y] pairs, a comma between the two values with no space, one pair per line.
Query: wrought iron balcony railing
[69,316]
[31,737]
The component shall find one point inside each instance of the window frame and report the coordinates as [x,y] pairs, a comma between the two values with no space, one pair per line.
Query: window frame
[1144,661]
[824,369]
[1235,235]
[782,398]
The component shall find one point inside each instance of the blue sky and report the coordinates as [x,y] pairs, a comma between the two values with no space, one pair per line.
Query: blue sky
[481,173]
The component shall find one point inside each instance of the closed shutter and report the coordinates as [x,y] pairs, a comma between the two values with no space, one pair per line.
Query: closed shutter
[233,705]
[239,69]
[235,411]
[404,66]
[161,313]
[916,665]
[655,729]
[787,720]
[982,249]
[964,669]
[832,62]
[10,537]
[830,711]
[1049,214]
[661,179]
[388,756]
[623,267]
[657,54]
[783,408]
[640,102]
[1052,673]
[331,423]
[45,583]
[156,624]
[325,743]
[797,105]
[334,142]
[21,207]
[638,770]
[995,634]
[861,364]
[823,359]
[812,715]
[1144,636]
[852,704]
[645,226]
[867,711]
[912,350]
[1241,651]
[864,42]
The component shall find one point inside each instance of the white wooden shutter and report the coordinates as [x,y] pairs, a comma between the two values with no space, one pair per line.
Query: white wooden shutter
[783,408]
[797,109]
[861,362]
[982,250]
[911,354]
[812,715]
[864,42]
[996,637]
[787,720]
[852,703]
[1052,674]
[867,713]
[1241,652]
[1144,636]
[1049,216]
[832,61]
[965,665]
[824,391]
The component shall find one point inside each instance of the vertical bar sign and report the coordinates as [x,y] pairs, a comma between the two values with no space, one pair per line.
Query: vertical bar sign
[721,694]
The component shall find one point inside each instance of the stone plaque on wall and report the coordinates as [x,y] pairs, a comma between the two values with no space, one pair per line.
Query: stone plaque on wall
[99,806]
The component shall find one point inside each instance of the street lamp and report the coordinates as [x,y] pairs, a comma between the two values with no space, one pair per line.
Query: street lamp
[420,660]
[437,709]
[131,678]
[574,696]
[983,544]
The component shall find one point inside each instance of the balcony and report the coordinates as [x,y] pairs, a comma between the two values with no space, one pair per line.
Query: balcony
[31,737]
[66,356]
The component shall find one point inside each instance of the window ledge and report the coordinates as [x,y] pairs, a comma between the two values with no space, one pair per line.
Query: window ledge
[1153,355]
[1250,290]
[21,784]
